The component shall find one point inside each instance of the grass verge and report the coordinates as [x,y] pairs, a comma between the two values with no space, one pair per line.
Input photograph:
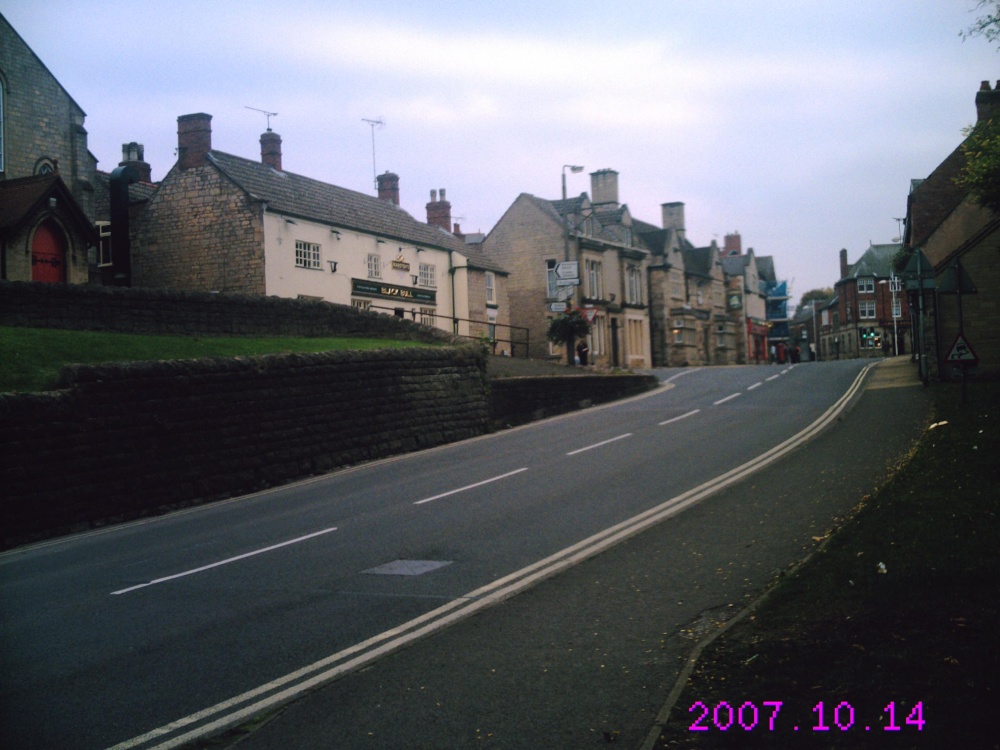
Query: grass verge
[888,636]
[30,358]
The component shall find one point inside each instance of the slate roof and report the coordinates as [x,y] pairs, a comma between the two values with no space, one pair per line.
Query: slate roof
[734,265]
[138,192]
[876,261]
[22,198]
[698,261]
[303,197]
[765,268]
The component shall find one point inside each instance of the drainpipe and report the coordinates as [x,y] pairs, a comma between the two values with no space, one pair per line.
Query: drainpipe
[451,272]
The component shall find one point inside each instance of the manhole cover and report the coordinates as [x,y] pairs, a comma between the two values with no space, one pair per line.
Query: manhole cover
[407,567]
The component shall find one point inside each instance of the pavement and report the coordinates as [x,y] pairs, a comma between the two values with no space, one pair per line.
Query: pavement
[590,657]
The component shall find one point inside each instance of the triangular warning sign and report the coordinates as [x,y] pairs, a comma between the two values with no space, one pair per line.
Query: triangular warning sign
[590,313]
[961,351]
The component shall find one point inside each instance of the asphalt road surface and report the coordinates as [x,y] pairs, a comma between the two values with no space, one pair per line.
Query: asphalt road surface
[535,588]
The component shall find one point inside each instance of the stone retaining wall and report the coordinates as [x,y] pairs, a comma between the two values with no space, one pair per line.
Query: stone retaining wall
[126,440]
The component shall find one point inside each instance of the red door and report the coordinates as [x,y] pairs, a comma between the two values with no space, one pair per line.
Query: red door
[48,254]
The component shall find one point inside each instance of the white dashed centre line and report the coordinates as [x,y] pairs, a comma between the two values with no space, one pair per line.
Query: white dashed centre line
[682,416]
[598,445]
[470,486]
[730,397]
[223,562]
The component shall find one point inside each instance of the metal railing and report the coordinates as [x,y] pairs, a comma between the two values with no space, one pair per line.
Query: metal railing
[517,339]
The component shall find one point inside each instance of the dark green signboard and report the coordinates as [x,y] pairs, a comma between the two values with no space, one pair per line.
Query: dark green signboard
[370,288]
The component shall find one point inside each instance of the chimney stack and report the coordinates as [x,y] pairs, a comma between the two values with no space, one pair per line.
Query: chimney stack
[388,187]
[270,149]
[987,101]
[439,211]
[673,217]
[194,139]
[733,244]
[843,263]
[132,156]
[604,188]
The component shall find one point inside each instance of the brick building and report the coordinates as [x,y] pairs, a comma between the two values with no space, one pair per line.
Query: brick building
[870,319]
[227,224]
[950,227]
[46,172]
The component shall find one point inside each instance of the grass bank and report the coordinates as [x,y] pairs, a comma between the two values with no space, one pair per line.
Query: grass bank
[30,358]
[887,637]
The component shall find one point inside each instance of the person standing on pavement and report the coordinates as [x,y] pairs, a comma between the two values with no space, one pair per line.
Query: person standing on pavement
[582,351]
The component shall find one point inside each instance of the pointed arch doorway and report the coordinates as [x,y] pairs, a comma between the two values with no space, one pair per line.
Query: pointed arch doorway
[48,254]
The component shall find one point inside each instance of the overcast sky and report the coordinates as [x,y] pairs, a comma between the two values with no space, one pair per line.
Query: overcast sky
[799,124]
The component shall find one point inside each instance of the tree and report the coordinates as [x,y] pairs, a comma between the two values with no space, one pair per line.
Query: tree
[981,173]
[565,328]
[818,295]
[988,25]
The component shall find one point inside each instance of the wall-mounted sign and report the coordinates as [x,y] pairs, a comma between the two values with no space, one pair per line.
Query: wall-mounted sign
[568,269]
[370,288]
[400,263]
[557,307]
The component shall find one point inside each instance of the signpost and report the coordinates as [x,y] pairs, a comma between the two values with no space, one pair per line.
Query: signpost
[956,281]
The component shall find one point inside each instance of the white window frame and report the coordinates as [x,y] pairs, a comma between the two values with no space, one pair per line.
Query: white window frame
[866,309]
[307,255]
[866,285]
[595,279]
[374,266]
[491,296]
[598,336]
[361,304]
[633,286]
[104,243]
[427,275]
[428,316]
[897,308]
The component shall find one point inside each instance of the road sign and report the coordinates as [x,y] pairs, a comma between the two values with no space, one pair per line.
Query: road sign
[568,269]
[961,351]
[590,313]
[557,307]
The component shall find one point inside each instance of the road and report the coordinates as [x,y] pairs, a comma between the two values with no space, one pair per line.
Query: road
[144,634]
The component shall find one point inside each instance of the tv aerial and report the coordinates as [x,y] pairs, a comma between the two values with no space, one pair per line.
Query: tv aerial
[379,123]
[267,114]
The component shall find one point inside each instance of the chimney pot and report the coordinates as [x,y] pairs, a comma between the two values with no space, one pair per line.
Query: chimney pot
[270,149]
[388,187]
[987,101]
[439,211]
[194,139]
[132,156]
[604,187]
[673,217]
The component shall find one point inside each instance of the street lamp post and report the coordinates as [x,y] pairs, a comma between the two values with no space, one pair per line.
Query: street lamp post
[575,169]
[815,331]
[893,282]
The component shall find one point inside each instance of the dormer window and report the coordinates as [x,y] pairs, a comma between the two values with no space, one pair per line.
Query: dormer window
[866,285]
